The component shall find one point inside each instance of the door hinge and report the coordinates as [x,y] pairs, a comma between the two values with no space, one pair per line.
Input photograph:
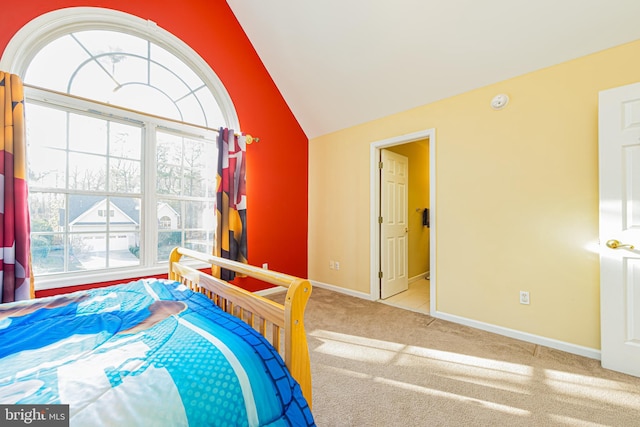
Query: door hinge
[379,274]
[380,165]
[380,220]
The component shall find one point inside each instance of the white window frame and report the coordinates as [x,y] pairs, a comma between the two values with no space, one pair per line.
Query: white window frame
[36,34]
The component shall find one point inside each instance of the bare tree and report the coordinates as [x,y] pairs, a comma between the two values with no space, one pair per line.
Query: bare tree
[167,175]
[124,176]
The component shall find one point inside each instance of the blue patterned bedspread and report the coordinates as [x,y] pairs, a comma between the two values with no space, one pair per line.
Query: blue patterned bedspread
[148,353]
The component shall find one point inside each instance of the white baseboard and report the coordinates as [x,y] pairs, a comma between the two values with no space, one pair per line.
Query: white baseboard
[418,277]
[338,289]
[591,353]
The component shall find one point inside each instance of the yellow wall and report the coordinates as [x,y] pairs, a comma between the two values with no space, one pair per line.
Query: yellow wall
[517,198]
[418,198]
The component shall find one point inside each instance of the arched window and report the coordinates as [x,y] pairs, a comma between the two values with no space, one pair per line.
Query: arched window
[125,71]
[120,132]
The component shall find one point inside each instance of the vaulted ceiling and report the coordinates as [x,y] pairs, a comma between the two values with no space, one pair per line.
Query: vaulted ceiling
[339,63]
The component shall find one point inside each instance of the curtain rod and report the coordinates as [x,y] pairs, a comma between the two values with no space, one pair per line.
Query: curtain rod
[248,138]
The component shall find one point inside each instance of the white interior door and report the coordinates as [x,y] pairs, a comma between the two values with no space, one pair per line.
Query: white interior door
[394,230]
[619,158]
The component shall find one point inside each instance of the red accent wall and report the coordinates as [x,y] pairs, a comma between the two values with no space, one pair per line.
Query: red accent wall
[277,165]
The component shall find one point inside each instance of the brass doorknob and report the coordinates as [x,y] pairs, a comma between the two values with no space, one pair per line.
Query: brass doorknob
[615,244]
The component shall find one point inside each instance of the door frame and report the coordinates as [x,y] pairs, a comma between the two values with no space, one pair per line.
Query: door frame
[374,180]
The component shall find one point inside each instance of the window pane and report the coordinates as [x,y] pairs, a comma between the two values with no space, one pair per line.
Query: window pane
[167,240]
[124,249]
[215,118]
[125,141]
[169,148]
[47,252]
[199,215]
[168,179]
[87,251]
[169,164]
[87,134]
[169,214]
[191,110]
[166,78]
[46,211]
[199,241]
[170,61]
[46,127]
[46,138]
[124,176]
[83,212]
[185,160]
[199,174]
[125,213]
[194,182]
[47,168]
[65,54]
[87,213]
[87,172]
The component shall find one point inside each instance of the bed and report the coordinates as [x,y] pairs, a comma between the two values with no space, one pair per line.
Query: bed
[187,350]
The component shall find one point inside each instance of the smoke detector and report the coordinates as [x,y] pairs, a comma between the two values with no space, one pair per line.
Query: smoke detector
[499,101]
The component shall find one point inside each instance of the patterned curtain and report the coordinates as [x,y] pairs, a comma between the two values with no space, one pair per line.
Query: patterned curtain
[231,202]
[16,280]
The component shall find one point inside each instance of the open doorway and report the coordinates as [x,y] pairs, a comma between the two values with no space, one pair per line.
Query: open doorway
[419,147]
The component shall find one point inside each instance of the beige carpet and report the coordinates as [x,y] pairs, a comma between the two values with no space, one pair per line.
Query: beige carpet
[377,365]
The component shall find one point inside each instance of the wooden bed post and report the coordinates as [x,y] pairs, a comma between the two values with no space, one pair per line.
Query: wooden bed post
[298,361]
[174,257]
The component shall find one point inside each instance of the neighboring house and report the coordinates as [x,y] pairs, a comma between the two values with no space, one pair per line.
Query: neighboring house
[168,218]
[88,214]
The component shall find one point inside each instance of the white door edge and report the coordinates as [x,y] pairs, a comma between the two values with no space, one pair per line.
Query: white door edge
[394,207]
[619,219]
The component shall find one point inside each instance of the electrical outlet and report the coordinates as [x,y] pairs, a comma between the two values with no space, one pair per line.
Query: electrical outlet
[331,264]
[524,297]
[337,264]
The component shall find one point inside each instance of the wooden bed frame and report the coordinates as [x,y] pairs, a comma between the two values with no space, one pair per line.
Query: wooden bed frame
[274,321]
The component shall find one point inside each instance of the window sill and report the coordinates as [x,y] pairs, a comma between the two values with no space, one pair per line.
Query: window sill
[95,277]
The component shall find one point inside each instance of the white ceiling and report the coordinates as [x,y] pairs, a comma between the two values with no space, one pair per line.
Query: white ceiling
[339,63]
